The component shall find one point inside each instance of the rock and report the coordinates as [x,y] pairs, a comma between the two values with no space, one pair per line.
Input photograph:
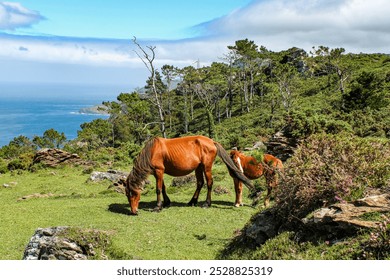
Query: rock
[119,186]
[264,226]
[180,181]
[281,146]
[111,175]
[53,244]
[259,145]
[10,184]
[37,195]
[117,177]
[46,244]
[331,223]
[54,157]
[380,200]
[344,219]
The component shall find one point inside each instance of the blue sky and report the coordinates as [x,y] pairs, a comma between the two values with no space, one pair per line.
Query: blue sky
[69,41]
[122,19]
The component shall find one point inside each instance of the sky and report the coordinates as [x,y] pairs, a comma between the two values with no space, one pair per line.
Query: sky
[90,42]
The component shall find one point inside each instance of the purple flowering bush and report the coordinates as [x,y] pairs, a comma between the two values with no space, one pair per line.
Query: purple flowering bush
[326,169]
[378,245]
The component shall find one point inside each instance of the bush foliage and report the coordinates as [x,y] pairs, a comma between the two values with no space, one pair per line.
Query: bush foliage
[331,168]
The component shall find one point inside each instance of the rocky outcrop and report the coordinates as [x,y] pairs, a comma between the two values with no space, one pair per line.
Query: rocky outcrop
[53,244]
[344,219]
[330,223]
[118,179]
[281,146]
[53,157]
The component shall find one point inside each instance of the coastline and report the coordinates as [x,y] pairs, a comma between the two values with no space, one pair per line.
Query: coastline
[94,110]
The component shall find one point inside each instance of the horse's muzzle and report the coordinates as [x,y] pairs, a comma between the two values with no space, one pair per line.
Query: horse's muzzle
[134,213]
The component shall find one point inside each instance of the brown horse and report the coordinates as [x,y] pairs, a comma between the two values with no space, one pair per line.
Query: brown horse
[177,157]
[252,169]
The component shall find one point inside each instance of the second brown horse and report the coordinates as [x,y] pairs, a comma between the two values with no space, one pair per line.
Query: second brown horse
[252,169]
[177,157]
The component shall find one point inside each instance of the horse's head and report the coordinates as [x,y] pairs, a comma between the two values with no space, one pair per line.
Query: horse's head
[133,196]
[235,156]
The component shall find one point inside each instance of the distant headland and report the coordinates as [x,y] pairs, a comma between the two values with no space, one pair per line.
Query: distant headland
[95,110]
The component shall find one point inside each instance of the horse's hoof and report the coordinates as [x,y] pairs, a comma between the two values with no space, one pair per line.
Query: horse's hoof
[192,202]
[206,205]
[157,209]
[237,205]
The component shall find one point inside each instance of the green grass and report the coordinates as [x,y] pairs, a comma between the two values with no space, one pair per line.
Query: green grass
[283,247]
[178,232]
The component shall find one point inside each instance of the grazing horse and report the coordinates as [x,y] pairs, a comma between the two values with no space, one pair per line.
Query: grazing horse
[252,169]
[177,157]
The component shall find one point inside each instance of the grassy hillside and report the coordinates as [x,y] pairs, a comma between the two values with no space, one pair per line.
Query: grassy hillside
[68,199]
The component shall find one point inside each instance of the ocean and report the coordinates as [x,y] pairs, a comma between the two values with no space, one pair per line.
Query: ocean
[31,109]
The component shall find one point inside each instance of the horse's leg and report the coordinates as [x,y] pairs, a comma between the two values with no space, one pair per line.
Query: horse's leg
[167,201]
[270,179]
[199,185]
[209,182]
[268,196]
[238,190]
[159,175]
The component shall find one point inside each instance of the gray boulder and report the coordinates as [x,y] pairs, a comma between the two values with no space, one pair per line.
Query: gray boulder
[53,244]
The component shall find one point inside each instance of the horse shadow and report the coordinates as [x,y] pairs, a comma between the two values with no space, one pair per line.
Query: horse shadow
[124,208]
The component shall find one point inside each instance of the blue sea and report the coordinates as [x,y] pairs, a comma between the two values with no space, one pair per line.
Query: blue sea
[31,109]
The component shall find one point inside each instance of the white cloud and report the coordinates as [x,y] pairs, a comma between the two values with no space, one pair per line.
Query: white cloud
[281,24]
[14,15]
[110,52]
[356,25]
[66,50]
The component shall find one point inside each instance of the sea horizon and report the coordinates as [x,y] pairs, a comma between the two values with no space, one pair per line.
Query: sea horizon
[31,109]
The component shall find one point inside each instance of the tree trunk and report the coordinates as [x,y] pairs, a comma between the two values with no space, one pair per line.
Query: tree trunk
[148,59]
[211,123]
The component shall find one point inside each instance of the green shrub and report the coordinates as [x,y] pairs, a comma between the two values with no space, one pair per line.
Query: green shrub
[23,162]
[3,166]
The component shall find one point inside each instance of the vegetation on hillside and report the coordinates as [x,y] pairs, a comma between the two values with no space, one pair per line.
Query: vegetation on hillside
[325,170]
[253,92]
[337,104]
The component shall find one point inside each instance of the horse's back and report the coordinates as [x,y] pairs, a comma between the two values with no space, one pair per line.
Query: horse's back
[189,144]
[180,156]
[273,161]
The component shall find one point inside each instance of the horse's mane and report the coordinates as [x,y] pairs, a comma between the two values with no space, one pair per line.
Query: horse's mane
[141,168]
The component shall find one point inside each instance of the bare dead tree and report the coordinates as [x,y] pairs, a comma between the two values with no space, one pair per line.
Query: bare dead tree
[147,57]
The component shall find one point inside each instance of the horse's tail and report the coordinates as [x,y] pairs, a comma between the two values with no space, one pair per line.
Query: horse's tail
[221,152]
